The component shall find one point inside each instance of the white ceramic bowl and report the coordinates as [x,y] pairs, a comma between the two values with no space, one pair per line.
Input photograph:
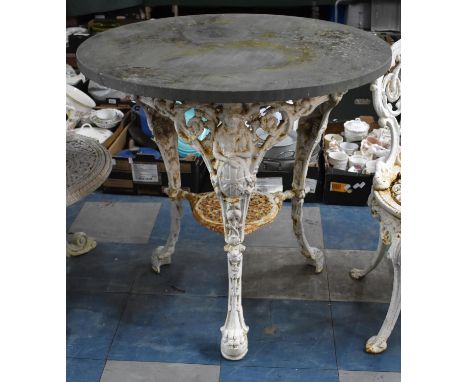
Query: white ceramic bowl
[106,118]
[358,161]
[372,165]
[80,101]
[349,148]
[330,137]
[338,159]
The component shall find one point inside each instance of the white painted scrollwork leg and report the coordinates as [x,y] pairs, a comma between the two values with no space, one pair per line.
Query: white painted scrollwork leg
[378,344]
[382,248]
[162,255]
[79,243]
[165,136]
[309,133]
[234,342]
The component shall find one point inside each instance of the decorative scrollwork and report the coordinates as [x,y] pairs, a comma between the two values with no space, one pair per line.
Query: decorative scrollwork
[233,151]
[387,89]
[386,95]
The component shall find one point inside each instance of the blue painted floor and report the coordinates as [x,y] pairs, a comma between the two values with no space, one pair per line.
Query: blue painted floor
[119,310]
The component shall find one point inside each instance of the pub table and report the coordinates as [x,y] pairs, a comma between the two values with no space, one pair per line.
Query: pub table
[244,74]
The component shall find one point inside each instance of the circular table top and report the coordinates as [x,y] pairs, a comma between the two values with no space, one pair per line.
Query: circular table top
[88,166]
[233,58]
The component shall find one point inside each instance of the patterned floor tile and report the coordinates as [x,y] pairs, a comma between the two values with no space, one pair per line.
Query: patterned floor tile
[368,376]
[118,222]
[124,371]
[170,329]
[255,374]
[279,233]
[353,324]
[84,370]
[375,287]
[195,270]
[72,212]
[348,227]
[281,273]
[110,267]
[92,321]
[297,334]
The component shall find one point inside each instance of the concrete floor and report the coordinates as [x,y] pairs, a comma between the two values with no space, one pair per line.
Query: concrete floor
[127,323]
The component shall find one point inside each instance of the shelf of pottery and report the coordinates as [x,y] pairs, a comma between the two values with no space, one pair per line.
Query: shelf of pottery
[358,148]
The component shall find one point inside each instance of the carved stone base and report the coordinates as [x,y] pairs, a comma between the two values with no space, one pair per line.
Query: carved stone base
[79,243]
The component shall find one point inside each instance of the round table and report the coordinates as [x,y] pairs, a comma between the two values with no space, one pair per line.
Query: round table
[238,71]
[88,166]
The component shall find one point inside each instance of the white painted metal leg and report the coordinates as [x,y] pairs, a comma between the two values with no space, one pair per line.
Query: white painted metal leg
[162,255]
[312,254]
[234,342]
[358,274]
[378,344]
[165,136]
[309,133]
[79,243]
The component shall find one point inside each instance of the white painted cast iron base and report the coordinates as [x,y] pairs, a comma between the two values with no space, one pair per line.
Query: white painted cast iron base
[232,153]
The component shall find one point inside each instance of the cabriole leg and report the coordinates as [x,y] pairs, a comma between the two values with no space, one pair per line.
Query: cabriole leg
[162,254]
[309,133]
[378,344]
[234,343]
[382,248]
[165,136]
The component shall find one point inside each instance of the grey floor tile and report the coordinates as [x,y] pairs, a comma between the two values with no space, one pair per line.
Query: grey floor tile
[375,287]
[281,273]
[368,376]
[119,222]
[280,233]
[126,371]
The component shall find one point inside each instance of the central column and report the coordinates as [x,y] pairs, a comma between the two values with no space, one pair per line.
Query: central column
[233,151]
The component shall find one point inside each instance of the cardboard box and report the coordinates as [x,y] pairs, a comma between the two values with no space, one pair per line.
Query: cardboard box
[314,174]
[344,187]
[146,175]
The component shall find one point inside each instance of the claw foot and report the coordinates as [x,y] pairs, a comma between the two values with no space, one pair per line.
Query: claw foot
[357,273]
[234,344]
[159,258]
[376,345]
[315,257]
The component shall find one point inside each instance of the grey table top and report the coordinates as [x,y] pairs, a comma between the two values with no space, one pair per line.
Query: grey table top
[233,58]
